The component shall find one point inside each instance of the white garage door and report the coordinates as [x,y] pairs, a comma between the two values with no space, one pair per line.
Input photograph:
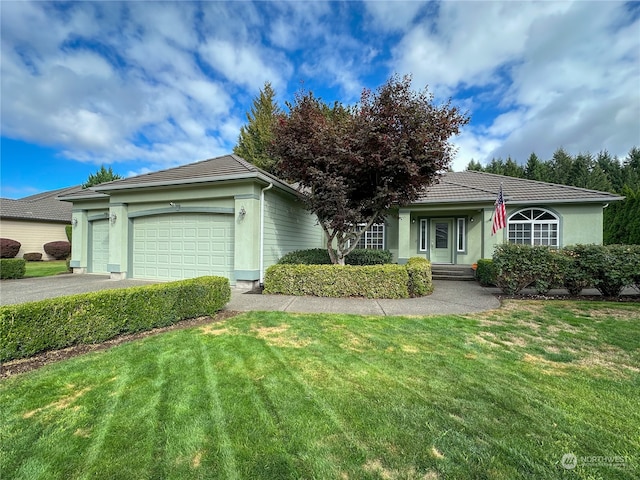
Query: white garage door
[99,246]
[182,245]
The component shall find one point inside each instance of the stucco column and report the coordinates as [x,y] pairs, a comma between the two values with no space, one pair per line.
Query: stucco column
[79,241]
[247,238]
[404,236]
[118,241]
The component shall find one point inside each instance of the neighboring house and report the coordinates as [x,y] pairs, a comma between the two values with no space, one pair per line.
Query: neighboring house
[224,216]
[36,220]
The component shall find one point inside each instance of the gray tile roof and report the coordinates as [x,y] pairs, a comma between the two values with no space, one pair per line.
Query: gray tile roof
[227,167]
[471,186]
[40,207]
[454,187]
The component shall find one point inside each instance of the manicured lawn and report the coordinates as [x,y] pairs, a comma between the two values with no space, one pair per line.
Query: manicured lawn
[498,395]
[45,269]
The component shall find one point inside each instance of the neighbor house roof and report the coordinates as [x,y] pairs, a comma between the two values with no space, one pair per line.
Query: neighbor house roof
[227,167]
[43,206]
[479,187]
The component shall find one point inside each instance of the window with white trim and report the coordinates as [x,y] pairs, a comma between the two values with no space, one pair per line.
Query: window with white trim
[534,226]
[423,235]
[373,237]
[461,240]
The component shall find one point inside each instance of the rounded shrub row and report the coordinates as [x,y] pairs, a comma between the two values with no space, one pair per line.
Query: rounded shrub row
[370,281]
[608,268]
[320,256]
[30,328]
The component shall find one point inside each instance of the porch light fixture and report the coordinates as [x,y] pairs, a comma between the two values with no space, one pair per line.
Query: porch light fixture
[174,205]
[74,222]
[242,212]
[112,218]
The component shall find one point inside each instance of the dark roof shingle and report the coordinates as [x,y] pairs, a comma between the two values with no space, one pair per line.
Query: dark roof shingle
[472,186]
[43,206]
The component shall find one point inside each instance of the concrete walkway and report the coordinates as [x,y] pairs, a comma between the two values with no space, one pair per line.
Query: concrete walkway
[448,297]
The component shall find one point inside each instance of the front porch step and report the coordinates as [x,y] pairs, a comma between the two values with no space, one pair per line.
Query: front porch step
[452,272]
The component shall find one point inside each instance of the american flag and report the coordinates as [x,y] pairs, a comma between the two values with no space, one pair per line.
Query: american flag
[500,214]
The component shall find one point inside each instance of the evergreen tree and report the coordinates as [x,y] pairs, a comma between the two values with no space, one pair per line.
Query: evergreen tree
[598,180]
[474,166]
[101,176]
[257,134]
[512,169]
[536,170]
[612,169]
[561,164]
[631,169]
[580,170]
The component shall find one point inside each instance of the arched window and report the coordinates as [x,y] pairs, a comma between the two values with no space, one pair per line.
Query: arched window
[534,226]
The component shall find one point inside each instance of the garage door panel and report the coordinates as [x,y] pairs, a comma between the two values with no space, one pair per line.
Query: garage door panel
[99,246]
[182,245]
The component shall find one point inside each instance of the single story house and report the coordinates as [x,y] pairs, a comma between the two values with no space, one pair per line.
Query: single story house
[224,216]
[36,220]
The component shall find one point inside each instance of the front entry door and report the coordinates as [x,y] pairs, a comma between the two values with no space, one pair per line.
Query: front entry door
[441,236]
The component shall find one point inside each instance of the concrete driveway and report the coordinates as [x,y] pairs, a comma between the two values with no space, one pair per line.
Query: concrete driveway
[448,297]
[32,289]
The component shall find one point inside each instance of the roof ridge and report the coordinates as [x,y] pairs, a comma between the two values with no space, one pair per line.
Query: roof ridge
[190,164]
[571,187]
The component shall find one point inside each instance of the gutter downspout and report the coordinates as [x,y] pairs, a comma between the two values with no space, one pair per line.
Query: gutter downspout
[268,187]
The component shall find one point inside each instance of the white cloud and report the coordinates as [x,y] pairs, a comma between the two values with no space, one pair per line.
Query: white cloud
[246,64]
[167,83]
[567,73]
[394,15]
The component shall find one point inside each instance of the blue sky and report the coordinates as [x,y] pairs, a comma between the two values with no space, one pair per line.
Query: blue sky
[141,86]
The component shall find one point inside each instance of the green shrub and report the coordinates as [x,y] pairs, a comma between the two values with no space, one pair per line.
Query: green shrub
[12,267]
[312,256]
[368,256]
[30,328]
[371,281]
[611,268]
[515,267]
[551,268]
[32,257]
[420,280]
[320,256]
[485,272]
[576,278]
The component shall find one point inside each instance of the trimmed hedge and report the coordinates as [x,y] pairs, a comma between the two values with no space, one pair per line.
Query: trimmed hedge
[370,281]
[420,280]
[59,250]
[368,256]
[9,248]
[12,268]
[609,268]
[486,272]
[32,257]
[30,328]
[320,256]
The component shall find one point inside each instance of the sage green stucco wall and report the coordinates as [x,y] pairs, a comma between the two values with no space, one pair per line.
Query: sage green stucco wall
[288,227]
[84,211]
[578,224]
